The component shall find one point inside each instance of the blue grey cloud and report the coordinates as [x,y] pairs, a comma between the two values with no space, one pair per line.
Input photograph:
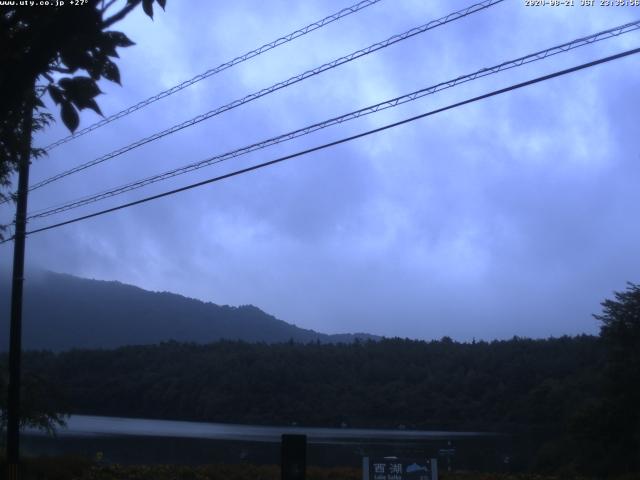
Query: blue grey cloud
[513,216]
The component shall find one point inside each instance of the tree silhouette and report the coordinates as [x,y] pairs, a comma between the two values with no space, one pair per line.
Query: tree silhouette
[620,332]
[68,49]
[43,406]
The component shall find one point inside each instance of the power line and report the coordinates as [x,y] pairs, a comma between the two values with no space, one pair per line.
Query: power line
[298,78]
[213,71]
[533,57]
[343,140]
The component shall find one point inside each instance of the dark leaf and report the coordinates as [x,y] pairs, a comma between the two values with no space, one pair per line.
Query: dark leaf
[95,71]
[38,152]
[92,105]
[75,58]
[79,88]
[147,6]
[82,103]
[99,58]
[119,38]
[162,3]
[56,94]
[38,103]
[42,120]
[69,116]
[110,71]
[108,46]
[81,91]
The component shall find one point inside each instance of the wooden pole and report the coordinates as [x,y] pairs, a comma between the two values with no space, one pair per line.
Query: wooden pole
[15,331]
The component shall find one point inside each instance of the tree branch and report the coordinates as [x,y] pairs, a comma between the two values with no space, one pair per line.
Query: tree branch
[61,70]
[107,6]
[121,14]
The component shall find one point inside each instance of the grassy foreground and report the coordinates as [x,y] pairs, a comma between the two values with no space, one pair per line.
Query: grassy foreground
[80,468]
[77,468]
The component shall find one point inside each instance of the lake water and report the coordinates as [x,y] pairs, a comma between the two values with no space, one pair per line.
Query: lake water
[133,440]
[85,425]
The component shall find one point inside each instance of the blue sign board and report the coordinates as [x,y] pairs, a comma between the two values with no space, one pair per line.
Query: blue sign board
[392,468]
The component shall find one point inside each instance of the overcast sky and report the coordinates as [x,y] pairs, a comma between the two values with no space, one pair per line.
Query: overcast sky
[513,216]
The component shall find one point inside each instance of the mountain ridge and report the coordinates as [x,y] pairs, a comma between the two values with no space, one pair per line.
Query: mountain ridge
[62,311]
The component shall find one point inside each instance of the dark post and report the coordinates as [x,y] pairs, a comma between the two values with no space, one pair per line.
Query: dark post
[15,335]
[294,457]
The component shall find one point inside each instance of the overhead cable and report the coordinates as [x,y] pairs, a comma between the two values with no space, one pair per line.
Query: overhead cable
[338,142]
[213,71]
[533,57]
[286,83]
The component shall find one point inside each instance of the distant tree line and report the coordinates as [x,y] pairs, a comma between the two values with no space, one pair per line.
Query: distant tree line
[510,385]
[579,396]
[535,388]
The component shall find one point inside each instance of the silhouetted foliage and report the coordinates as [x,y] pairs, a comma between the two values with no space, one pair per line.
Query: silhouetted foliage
[620,332]
[519,386]
[42,406]
[68,49]
[608,428]
[575,397]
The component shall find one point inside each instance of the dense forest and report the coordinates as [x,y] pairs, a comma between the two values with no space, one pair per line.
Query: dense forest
[537,388]
[507,385]
[578,396]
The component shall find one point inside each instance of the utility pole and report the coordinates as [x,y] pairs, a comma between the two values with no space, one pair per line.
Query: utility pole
[15,332]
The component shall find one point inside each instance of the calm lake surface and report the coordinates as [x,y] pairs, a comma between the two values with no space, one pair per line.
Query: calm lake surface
[133,440]
[85,425]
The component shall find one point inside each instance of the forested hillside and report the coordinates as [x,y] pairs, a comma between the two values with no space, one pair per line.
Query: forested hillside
[553,392]
[576,396]
[500,386]
[63,312]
